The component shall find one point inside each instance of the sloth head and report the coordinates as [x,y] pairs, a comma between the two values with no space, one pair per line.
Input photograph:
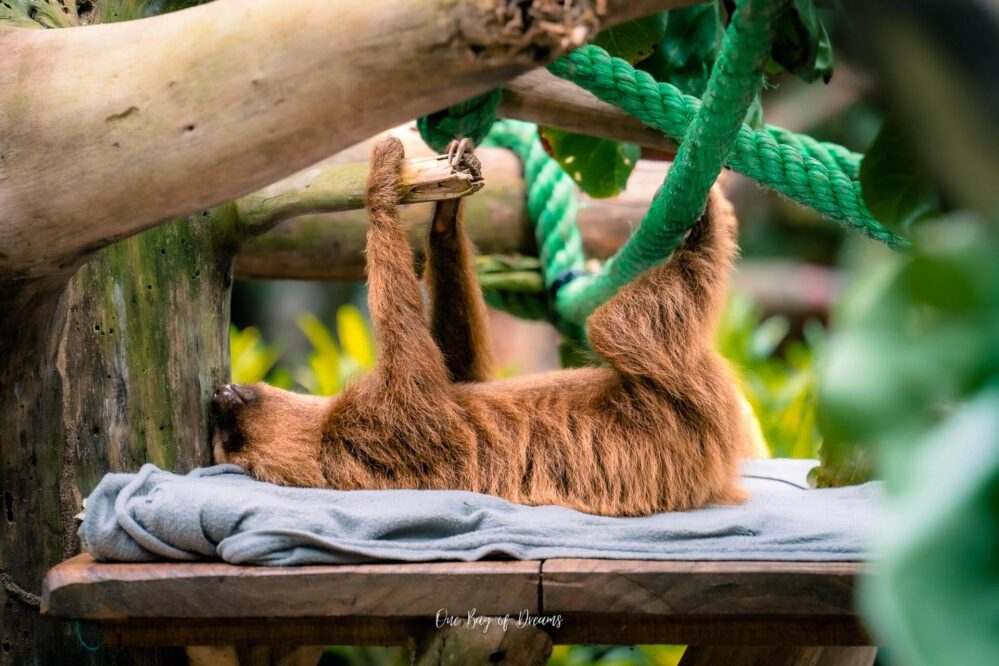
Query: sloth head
[273,434]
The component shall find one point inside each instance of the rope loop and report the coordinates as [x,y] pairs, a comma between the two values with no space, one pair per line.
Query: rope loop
[712,134]
[470,119]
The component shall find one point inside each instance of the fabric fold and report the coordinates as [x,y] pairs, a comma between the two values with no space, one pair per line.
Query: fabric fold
[222,513]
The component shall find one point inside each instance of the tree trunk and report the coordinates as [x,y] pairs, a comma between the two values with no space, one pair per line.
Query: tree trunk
[128,357]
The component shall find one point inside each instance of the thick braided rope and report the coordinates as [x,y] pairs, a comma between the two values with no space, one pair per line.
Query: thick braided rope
[552,205]
[815,174]
[736,78]
[471,119]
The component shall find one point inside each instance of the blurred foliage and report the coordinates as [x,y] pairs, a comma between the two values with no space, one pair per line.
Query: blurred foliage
[329,365]
[802,46]
[562,655]
[896,189]
[340,655]
[687,52]
[778,374]
[912,377]
[600,655]
[251,357]
[636,40]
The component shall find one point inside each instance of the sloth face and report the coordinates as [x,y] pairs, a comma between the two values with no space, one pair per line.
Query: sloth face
[273,434]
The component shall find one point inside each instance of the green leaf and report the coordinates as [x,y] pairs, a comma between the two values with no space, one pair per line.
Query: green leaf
[636,40]
[355,336]
[317,333]
[250,356]
[802,46]
[598,166]
[693,35]
[897,192]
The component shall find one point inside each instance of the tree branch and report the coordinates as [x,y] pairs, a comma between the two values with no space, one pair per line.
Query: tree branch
[541,97]
[329,187]
[331,246]
[110,129]
[627,10]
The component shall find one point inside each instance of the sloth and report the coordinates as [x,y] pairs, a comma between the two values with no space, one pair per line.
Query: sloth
[658,426]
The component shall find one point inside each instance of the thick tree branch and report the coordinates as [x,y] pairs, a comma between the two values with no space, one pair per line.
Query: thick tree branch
[110,129]
[329,187]
[331,246]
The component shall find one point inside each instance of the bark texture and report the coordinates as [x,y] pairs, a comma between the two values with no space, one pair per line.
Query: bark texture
[116,371]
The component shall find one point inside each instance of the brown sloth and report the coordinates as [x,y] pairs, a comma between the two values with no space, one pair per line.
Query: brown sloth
[660,427]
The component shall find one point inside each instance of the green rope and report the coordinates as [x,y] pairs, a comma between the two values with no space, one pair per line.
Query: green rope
[472,119]
[736,78]
[711,133]
[552,205]
[819,175]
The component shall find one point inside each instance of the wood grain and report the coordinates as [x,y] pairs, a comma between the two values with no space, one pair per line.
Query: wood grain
[599,601]
[84,589]
[684,589]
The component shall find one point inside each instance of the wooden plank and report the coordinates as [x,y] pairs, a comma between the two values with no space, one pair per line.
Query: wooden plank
[81,588]
[380,631]
[681,589]
[596,601]
[575,629]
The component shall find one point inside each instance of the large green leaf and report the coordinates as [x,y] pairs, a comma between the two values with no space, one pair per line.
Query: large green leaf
[688,50]
[636,40]
[802,46]
[896,190]
[599,167]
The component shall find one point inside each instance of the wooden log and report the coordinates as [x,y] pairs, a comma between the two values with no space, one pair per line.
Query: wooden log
[331,246]
[212,655]
[496,644]
[541,97]
[334,186]
[223,103]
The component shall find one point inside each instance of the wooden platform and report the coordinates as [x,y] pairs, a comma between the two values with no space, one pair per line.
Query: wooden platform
[594,601]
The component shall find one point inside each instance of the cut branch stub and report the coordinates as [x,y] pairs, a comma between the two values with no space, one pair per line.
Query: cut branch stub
[328,188]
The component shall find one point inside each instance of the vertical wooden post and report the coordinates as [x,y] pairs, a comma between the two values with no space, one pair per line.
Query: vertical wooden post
[109,371]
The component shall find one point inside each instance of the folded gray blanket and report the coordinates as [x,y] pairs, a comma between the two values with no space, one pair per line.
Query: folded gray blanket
[220,512]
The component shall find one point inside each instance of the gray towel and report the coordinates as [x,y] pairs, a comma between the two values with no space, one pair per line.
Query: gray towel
[220,512]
